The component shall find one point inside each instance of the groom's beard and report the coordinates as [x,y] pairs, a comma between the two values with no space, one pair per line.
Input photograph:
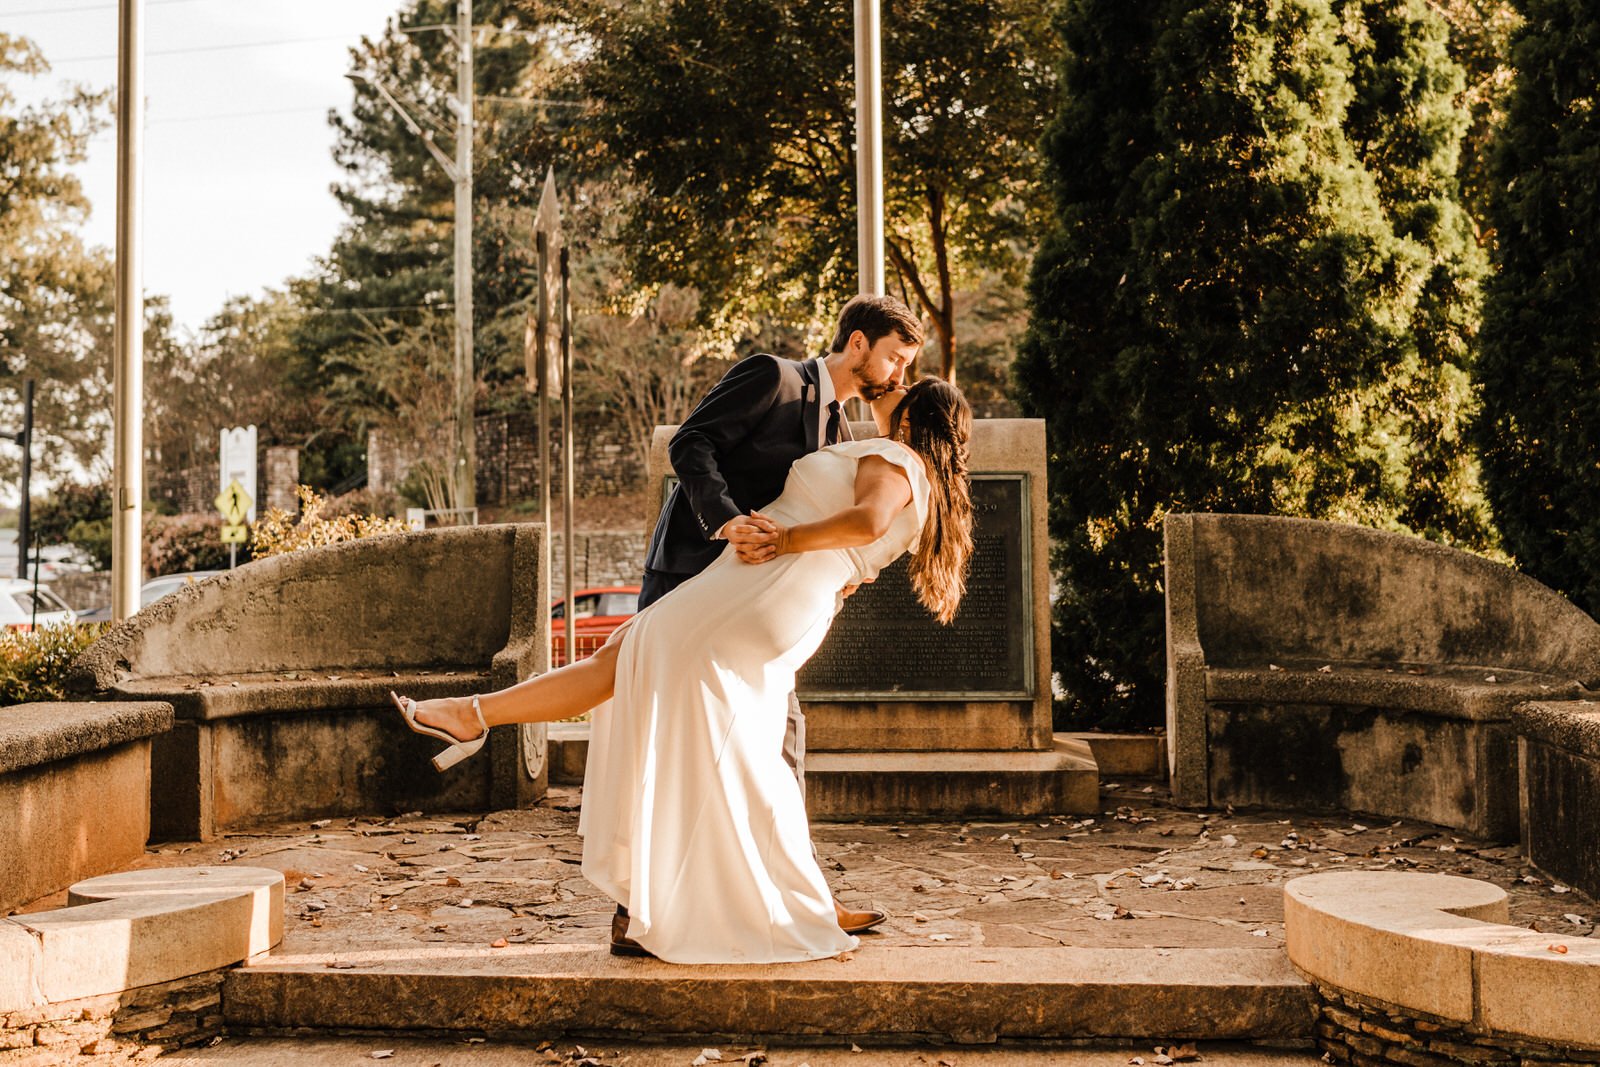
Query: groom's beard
[871,390]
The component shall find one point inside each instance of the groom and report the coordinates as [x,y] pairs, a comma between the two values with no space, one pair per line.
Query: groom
[733,452]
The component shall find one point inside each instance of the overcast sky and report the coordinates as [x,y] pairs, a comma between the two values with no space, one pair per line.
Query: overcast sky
[237,163]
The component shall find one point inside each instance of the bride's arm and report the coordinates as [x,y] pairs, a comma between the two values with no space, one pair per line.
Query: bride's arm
[882,490]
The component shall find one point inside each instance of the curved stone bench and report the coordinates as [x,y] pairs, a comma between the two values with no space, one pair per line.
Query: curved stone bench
[58,764]
[279,672]
[1426,962]
[73,973]
[1320,665]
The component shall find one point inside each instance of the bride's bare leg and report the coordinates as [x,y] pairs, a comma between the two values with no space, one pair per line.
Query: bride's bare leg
[559,694]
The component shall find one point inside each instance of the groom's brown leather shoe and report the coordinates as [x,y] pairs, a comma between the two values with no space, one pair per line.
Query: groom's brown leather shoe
[621,943]
[854,922]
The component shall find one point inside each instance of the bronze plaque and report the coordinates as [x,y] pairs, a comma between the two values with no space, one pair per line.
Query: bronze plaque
[884,645]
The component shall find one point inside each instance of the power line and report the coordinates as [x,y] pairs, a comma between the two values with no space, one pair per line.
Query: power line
[211,48]
[86,7]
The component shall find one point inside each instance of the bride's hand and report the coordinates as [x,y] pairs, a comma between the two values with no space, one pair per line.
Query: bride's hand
[757,539]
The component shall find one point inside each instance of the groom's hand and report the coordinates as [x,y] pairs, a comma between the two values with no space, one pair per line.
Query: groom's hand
[756,538]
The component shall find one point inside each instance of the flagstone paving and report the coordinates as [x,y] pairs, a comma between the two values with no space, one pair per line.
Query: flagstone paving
[1141,874]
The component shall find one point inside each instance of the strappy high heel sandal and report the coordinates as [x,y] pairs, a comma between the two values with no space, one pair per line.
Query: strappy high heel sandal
[459,749]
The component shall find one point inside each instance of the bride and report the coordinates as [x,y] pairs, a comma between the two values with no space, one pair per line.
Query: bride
[691,820]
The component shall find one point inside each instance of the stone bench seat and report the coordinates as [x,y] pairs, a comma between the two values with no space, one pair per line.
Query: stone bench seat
[1455,691]
[1320,665]
[225,696]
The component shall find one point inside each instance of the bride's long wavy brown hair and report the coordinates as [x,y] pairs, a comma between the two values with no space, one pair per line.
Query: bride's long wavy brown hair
[936,421]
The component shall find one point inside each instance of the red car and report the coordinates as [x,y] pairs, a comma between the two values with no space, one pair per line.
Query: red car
[599,612]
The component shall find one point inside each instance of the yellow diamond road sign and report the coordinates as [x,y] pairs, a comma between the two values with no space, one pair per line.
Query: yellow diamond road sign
[235,533]
[234,503]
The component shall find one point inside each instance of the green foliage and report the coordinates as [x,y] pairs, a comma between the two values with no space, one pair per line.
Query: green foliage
[55,295]
[1258,297]
[1539,433]
[736,118]
[71,503]
[33,665]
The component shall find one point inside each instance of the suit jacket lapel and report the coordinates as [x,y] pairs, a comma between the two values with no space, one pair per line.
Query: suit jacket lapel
[811,403]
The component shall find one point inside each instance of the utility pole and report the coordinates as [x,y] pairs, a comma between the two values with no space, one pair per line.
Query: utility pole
[127,413]
[869,146]
[465,438]
[24,437]
[463,433]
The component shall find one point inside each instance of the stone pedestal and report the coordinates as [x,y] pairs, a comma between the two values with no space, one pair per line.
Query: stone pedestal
[905,717]
[282,464]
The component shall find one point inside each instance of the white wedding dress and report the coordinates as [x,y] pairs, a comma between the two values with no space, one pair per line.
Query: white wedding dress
[691,818]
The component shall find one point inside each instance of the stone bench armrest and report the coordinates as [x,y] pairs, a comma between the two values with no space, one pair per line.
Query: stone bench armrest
[32,735]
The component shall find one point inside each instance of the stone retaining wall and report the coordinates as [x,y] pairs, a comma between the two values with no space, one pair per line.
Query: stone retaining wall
[1353,1030]
[602,558]
[131,1026]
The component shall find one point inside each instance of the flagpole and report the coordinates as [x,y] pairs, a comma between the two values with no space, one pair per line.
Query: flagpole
[869,146]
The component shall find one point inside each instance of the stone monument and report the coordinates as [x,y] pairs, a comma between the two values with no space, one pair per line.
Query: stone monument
[906,717]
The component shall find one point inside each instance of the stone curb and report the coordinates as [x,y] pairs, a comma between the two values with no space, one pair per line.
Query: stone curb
[138,928]
[1437,944]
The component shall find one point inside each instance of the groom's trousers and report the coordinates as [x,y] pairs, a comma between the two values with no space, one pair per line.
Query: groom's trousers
[658,584]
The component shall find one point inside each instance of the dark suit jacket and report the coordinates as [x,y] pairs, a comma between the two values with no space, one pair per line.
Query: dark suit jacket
[732,455]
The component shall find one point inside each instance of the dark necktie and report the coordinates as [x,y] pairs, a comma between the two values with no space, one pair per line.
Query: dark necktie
[831,437]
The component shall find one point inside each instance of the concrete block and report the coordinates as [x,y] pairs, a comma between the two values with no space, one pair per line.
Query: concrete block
[1375,932]
[1125,755]
[1440,945]
[137,928]
[841,785]
[58,826]
[19,968]
[1559,757]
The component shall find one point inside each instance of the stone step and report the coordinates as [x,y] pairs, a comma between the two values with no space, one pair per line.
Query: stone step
[953,785]
[1064,780]
[965,995]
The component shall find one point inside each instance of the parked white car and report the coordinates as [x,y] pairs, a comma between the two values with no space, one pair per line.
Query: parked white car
[22,608]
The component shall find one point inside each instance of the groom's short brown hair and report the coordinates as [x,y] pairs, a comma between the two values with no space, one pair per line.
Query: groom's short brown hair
[877,317]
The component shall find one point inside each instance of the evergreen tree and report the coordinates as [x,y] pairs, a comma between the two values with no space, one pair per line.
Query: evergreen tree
[1539,369]
[1234,312]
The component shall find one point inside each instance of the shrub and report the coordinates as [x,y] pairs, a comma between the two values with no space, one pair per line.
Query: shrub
[279,532]
[177,543]
[33,665]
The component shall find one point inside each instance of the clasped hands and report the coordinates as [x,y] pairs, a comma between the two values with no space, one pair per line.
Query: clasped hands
[758,539]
